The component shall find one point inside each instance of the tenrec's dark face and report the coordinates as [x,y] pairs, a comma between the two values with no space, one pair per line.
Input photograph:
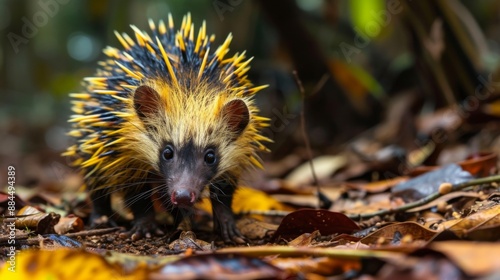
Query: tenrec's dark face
[187,170]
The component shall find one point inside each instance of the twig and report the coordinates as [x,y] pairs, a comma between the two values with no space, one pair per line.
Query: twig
[93,232]
[320,84]
[267,213]
[427,199]
[290,251]
[24,237]
[5,238]
[321,197]
[303,128]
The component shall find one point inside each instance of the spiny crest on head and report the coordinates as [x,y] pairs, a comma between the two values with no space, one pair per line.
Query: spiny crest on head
[178,53]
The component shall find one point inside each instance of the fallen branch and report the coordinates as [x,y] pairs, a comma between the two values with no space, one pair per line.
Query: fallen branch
[427,199]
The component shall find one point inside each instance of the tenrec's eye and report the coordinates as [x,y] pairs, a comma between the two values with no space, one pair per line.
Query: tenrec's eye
[210,157]
[168,153]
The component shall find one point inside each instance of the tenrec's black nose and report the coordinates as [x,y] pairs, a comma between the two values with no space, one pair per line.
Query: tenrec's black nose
[183,198]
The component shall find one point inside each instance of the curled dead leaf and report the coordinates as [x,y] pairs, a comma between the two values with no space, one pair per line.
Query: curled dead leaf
[398,231]
[69,224]
[35,220]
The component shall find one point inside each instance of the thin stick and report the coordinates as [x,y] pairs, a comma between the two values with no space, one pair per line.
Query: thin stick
[320,84]
[321,197]
[427,199]
[93,232]
[303,128]
[34,241]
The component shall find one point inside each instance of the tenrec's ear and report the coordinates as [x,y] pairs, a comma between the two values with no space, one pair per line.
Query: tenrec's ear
[146,102]
[236,114]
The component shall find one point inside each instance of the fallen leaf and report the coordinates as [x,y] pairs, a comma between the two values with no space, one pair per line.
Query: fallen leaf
[248,199]
[254,229]
[65,264]
[38,221]
[474,258]
[188,240]
[219,266]
[483,218]
[481,164]
[387,234]
[428,183]
[377,186]
[304,239]
[321,266]
[373,203]
[309,220]
[309,198]
[69,224]
[324,167]
[428,267]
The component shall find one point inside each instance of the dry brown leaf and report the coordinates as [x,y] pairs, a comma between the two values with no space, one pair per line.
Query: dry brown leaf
[378,186]
[254,229]
[304,239]
[391,233]
[69,224]
[188,240]
[324,167]
[484,218]
[474,258]
[219,266]
[372,204]
[38,221]
[322,266]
